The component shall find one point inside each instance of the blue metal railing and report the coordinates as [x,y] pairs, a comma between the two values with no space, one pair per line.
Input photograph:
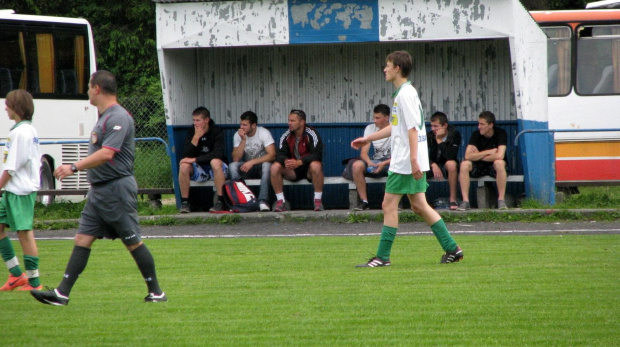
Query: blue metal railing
[516,143]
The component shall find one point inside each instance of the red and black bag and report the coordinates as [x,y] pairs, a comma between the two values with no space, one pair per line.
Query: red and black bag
[239,197]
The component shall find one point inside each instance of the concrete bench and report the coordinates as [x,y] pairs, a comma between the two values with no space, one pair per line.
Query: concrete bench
[484,192]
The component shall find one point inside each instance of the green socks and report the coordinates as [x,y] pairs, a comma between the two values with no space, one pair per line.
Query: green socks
[31,263]
[388,234]
[9,258]
[443,236]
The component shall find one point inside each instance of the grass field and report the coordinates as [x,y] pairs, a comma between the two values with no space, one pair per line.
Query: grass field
[508,291]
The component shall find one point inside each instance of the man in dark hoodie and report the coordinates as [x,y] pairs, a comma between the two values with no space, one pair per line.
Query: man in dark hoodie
[443,146]
[203,158]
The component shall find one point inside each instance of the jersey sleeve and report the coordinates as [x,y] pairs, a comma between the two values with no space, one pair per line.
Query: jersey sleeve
[266,137]
[411,110]
[236,140]
[115,131]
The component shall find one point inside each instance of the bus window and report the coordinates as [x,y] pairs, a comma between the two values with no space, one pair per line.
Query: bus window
[559,60]
[49,63]
[598,60]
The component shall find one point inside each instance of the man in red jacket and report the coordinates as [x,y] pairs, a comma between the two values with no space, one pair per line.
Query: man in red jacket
[299,156]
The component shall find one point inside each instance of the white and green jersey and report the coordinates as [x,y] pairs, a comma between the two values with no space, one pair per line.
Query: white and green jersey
[407,113]
[21,158]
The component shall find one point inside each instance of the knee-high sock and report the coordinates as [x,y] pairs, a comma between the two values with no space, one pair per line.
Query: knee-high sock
[31,263]
[75,266]
[443,236]
[146,264]
[9,258]
[388,234]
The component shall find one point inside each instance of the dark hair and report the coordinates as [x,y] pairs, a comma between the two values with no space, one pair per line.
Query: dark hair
[249,115]
[439,116]
[488,116]
[300,113]
[401,59]
[105,80]
[202,111]
[21,102]
[383,109]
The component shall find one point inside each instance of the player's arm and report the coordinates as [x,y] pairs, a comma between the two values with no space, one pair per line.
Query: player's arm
[495,154]
[381,134]
[4,178]
[364,153]
[269,157]
[413,153]
[472,153]
[98,158]
[239,149]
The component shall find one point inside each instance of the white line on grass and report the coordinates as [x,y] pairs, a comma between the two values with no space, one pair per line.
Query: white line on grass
[233,236]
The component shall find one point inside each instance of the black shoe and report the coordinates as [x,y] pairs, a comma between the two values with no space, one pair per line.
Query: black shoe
[50,297]
[362,206]
[184,207]
[375,262]
[152,297]
[218,207]
[453,257]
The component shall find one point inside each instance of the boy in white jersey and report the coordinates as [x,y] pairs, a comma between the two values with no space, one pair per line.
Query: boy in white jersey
[20,179]
[409,161]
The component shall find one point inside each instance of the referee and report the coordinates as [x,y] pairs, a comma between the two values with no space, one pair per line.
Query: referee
[111,208]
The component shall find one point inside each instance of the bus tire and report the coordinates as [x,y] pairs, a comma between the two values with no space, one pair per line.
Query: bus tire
[46,182]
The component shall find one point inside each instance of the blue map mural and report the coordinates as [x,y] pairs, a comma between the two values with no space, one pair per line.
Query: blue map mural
[316,21]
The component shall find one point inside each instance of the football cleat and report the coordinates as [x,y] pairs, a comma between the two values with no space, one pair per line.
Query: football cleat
[14,282]
[50,297]
[152,297]
[318,205]
[280,206]
[375,262]
[453,257]
[28,287]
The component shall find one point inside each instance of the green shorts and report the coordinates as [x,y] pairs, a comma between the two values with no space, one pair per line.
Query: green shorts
[405,184]
[17,211]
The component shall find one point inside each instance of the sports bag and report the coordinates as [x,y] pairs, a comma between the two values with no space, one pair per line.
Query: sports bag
[239,197]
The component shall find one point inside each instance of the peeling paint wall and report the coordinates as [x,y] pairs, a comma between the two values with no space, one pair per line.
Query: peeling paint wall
[341,83]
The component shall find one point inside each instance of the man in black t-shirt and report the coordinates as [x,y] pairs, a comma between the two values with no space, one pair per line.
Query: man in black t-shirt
[485,155]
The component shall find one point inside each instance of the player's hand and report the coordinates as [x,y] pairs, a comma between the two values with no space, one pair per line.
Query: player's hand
[242,134]
[187,161]
[246,166]
[416,171]
[359,142]
[63,171]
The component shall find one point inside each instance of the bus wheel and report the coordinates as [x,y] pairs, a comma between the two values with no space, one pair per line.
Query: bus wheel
[46,183]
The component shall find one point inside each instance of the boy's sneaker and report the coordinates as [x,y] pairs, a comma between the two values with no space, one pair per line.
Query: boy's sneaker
[218,207]
[318,205]
[362,206]
[28,287]
[280,206]
[184,207]
[501,205]
[50,297]
[453,257]
[14,282]
[152,297]
[464,206]
[263,206]
[375,262]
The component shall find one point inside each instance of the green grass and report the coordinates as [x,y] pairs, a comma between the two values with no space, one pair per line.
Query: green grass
[588,197]
[508,291]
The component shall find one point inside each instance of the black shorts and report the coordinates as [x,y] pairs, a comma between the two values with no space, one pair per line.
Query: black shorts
[301,173]
[480,169]
[111,211]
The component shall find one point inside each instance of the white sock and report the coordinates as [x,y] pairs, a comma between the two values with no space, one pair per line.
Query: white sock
[318,195]
[365,201]
[280,196]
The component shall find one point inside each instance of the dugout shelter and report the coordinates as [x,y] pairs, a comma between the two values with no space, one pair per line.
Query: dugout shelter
[326,57]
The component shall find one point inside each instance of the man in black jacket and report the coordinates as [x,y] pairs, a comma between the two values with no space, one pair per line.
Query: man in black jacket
[203,158]
[299,155]
[443,147]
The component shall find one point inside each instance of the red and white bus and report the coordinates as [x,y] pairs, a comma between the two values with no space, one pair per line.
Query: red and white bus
[584,93]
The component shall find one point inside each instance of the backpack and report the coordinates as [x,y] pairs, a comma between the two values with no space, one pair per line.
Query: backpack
[239,197]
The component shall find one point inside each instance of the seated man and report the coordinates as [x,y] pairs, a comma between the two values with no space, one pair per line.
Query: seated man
[443,146]
[299,156]
[203,158]
[379,164]
[485,155]
[253,153]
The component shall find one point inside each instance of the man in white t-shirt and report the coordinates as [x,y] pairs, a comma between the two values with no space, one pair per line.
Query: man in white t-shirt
[409,163]
[253,152]
[379,163]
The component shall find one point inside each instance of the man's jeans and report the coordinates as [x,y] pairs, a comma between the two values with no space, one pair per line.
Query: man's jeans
[262,171]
